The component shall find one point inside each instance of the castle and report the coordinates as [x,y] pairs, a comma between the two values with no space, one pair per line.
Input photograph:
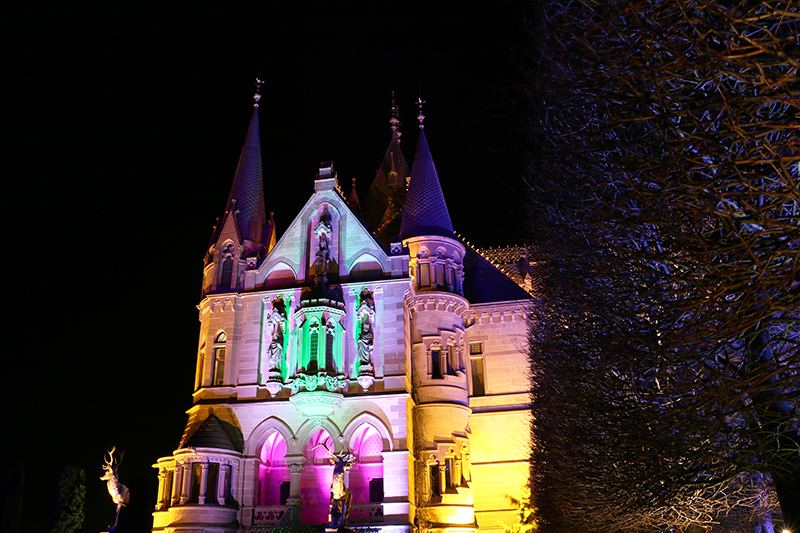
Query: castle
[369,328]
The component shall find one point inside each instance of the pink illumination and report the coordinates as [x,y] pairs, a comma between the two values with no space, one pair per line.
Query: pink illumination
[367,445]
[272,471]
[315,481]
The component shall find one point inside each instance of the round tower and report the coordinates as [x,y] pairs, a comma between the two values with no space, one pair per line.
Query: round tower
[436,311]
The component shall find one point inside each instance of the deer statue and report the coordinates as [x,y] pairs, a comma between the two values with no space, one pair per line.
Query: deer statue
[119,492]
[340,494]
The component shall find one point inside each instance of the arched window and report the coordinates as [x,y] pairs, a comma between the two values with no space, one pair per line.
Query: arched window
[227,273]
[315,481]
[366,476]
[272,483]
[330,366]
[313,348]
[220,350]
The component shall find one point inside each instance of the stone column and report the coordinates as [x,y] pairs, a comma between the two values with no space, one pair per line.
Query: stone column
[295,471]
[221,484]
[442,478]
[186,486]
[457,473]
[177,483]
[162,497]
[201,499]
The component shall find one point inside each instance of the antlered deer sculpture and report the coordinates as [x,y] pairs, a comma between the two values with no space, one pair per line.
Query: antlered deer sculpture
[119,492]
[340,494]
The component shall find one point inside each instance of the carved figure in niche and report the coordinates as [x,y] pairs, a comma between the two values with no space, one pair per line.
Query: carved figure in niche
[323,259]
[340,494]
[119,492]
[366,298]
[365,343]
[366,336]
[276,323]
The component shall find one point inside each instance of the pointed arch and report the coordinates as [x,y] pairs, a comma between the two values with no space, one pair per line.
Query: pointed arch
[369,418]
[310,427]
[263,430]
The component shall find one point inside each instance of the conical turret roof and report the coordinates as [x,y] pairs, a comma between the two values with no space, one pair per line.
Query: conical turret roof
[387,194]
[425,210]
[248,187]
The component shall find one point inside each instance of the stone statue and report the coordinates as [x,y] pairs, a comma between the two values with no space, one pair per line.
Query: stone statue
[275,349]
[340,494]
[119,492]
[365,342]
[323,258]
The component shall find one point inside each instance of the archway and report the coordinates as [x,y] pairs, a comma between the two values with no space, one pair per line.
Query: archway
[315,482]
[272,481]
[366,476]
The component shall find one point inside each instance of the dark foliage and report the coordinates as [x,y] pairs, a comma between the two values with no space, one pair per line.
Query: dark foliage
[664,182]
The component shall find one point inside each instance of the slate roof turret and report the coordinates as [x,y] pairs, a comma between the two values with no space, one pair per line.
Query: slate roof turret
[425,211]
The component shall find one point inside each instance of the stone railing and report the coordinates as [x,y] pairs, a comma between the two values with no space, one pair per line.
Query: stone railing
[268,515]
[365,512]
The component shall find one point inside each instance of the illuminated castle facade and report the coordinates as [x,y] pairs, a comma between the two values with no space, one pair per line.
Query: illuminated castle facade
[371,329]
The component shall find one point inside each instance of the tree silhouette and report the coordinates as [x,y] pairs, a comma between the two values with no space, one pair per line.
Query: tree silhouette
[664,184]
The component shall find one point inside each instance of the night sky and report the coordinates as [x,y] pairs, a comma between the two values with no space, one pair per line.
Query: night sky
[123,128]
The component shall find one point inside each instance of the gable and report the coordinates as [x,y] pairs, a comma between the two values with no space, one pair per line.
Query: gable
[326,223]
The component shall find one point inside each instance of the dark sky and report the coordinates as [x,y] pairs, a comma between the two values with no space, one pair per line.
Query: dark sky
[123,130]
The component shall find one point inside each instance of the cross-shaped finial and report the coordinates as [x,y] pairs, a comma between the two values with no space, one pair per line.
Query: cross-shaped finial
[420,117]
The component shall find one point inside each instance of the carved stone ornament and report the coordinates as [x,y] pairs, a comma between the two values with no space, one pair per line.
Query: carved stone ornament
[311,382]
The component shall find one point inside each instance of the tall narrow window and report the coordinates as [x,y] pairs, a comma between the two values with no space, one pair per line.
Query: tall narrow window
[313,348]
[220,351]
[478,384]
[452,362]
[436,364]
[424,275]
[436,483]
[440,281]
[227,273]
[329,365]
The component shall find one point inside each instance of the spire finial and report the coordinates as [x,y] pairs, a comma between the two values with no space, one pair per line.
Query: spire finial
[257,96]
[394,121]
[420,117]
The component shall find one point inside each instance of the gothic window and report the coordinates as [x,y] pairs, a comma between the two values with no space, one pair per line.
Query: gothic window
[436,364]
[448,473]
[366,476]
[452,360]
[329,364]
[435,480]
[220,350]
[314,492]
[478,383]
[273,473]
[227,273]
[313,347]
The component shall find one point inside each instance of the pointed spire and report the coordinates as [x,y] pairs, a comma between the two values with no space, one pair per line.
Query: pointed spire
[248,185]
[387,194]
[425,211]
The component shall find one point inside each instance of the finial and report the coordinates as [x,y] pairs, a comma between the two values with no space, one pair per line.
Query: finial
[257,96]
[420,117]
[394,121]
